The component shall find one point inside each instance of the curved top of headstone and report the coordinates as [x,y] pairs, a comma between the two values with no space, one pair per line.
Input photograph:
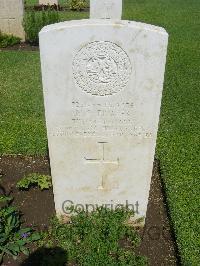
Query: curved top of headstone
[99,22]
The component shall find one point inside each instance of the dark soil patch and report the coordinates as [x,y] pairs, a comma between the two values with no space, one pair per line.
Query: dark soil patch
[53,7]
[45,7]
[37,206]
[23,46]
[158,241]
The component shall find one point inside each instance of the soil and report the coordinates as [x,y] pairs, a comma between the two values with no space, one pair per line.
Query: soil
[23,46]
[158,242]
[53,7]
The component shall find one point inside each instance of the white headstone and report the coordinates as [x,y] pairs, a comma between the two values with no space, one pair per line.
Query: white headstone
[105,9]
[102,82]
[48,2]
[11,17]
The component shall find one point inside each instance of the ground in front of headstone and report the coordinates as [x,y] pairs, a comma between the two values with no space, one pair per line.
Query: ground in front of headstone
[38,207]
[23,46]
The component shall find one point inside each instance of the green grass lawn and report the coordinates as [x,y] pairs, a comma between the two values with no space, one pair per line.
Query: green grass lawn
[22,128]
[31,2]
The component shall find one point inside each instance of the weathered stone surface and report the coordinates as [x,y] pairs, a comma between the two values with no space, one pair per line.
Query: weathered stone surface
[105,9]
[102,84]
[11,17]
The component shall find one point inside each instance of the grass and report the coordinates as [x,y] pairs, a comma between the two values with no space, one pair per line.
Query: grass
[102,237]
[22,117]
[31,2]
[22,126]
[71,15]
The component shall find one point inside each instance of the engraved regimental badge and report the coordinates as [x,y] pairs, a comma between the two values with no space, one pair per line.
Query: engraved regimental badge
[101,68]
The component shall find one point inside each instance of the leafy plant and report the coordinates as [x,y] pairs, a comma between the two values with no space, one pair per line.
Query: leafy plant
[35,21]
[35,179]
[13,238]
[96,236]
[7,40]
[77,4]
[4,199]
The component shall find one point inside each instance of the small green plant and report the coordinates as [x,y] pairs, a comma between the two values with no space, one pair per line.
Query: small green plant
[7,40]
[35,21]
[13,238]
[35,179]
[77,4]
[96,237]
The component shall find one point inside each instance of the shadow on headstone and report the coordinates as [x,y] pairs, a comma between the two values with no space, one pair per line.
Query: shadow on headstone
[46,256]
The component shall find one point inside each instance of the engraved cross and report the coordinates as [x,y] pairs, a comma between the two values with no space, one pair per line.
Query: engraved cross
[108,166]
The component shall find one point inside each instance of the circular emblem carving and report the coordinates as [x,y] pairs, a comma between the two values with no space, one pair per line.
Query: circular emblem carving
[101,68]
